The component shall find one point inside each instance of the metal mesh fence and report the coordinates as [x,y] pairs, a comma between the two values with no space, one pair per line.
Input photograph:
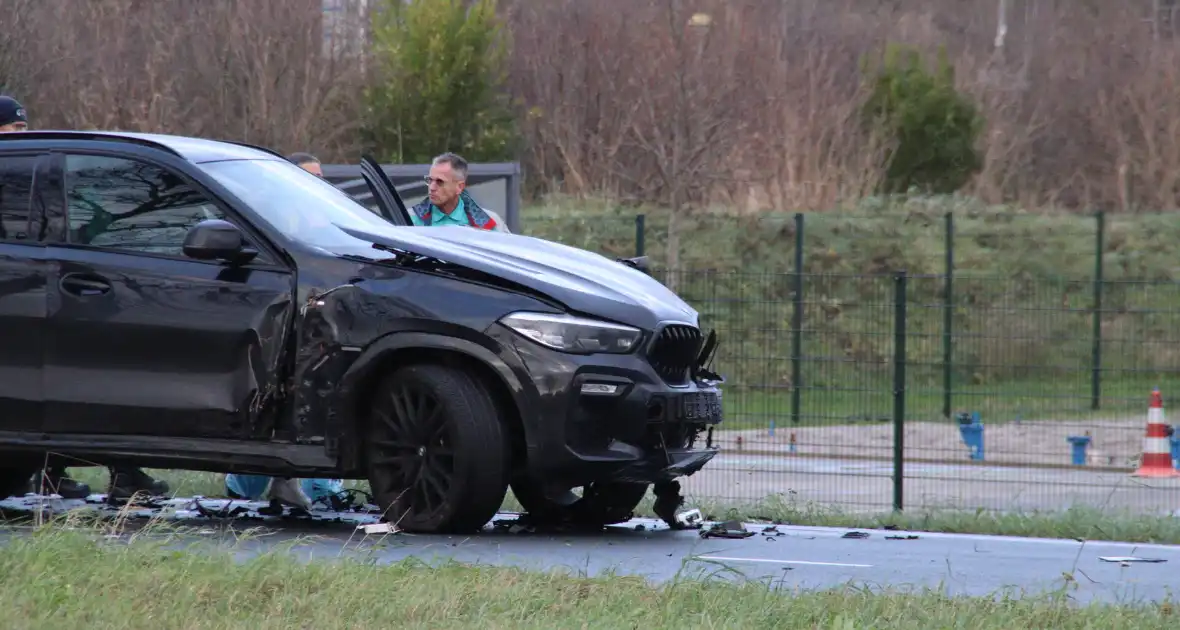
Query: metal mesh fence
[1010,368]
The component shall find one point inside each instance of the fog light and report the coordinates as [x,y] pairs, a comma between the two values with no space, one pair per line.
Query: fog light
[599,388]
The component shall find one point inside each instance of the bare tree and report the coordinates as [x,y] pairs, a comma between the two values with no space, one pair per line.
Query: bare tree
[623,97]
[252,70]
[578,111]
[686,123]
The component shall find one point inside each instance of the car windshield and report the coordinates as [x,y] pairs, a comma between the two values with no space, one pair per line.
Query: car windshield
[300,205]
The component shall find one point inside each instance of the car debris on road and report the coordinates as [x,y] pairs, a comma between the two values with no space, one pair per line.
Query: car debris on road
[378,528]
[727,529]
[196,507]
[1127,560]
[345,509]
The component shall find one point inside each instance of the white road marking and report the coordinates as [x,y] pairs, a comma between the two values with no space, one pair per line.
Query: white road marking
[840,531]
[772,561]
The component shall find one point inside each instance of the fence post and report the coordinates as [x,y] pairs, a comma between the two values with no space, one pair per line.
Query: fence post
[1096,353]
[640,233]
[948,303]
[899,383]
[797,323]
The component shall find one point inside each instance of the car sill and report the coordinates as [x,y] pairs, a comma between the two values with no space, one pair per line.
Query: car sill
[185,452]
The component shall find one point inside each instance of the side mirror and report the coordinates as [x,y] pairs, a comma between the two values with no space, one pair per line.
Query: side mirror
[215,239]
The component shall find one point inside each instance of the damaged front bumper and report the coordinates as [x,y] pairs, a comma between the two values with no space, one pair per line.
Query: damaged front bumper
[610,417]
[665,466]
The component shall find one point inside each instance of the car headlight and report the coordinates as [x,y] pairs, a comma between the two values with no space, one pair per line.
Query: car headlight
[574,334]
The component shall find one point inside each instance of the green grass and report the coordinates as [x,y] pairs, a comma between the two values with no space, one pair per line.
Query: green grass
[1080,522]
[1022,299]
[870,398]
[68,579]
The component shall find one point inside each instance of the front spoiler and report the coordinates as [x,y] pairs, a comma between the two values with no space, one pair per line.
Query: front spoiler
[666,465]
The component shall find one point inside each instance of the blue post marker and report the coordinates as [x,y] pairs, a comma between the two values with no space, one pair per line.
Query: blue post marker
[971,429]
[1175,440]
[772,427]
[1078,450]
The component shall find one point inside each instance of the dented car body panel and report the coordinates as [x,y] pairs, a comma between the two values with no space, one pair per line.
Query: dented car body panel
[345,328]
[579,280]
[264,365]
[170,348]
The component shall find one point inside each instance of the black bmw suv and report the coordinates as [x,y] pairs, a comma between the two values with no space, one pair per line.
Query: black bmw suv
[176,302]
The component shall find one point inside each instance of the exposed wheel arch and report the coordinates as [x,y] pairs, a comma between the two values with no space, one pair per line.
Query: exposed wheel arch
[408,348]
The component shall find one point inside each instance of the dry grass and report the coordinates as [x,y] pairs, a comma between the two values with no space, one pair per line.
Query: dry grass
[621,98]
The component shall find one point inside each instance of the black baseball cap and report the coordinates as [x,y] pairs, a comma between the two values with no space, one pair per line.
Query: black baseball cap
[11,111]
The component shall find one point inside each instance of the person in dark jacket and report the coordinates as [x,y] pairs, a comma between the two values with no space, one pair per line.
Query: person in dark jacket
[12,115]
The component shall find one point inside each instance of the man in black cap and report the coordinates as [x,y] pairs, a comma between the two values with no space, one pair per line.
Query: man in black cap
[124,482]
[12,115]
[53,479]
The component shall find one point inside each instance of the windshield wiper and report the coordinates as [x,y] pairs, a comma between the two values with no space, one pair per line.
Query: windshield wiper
[404,258]
[359,258]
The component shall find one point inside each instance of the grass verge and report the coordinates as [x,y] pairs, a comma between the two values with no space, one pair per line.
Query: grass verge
[1078,522]
[57,578]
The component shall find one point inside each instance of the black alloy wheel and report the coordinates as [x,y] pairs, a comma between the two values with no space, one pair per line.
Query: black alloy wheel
[437,450]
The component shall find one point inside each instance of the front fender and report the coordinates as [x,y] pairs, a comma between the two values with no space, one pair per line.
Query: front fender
[391,349]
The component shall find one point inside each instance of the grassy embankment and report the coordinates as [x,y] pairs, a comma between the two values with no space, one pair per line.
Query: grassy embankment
[1022,323]
[66,579]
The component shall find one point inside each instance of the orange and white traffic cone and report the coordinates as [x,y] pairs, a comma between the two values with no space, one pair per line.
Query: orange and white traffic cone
[1157,452]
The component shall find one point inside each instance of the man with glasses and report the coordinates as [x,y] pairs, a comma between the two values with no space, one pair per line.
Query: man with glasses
[448,202]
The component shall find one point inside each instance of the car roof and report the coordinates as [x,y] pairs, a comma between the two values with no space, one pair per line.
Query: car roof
[194,150]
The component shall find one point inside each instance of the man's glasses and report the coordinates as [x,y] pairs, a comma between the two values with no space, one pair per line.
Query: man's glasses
[435,180]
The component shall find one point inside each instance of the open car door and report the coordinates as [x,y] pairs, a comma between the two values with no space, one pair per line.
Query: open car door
[389,203]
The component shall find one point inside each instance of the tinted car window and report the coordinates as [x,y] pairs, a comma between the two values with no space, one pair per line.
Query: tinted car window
[298,204]
[16,183]
[132,205]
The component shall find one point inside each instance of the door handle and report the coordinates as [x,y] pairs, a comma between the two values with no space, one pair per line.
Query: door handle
[84,286]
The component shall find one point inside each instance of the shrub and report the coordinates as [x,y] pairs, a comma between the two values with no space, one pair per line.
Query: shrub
[931,127]
[439,68]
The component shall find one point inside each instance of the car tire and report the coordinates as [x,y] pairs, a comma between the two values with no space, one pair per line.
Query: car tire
[602,503]
[15,482]
[438,452]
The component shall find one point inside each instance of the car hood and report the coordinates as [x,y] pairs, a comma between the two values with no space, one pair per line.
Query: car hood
[581,280]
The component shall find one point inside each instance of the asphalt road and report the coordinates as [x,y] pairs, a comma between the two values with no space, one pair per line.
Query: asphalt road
[793,557]
[868,485]
[800,557]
